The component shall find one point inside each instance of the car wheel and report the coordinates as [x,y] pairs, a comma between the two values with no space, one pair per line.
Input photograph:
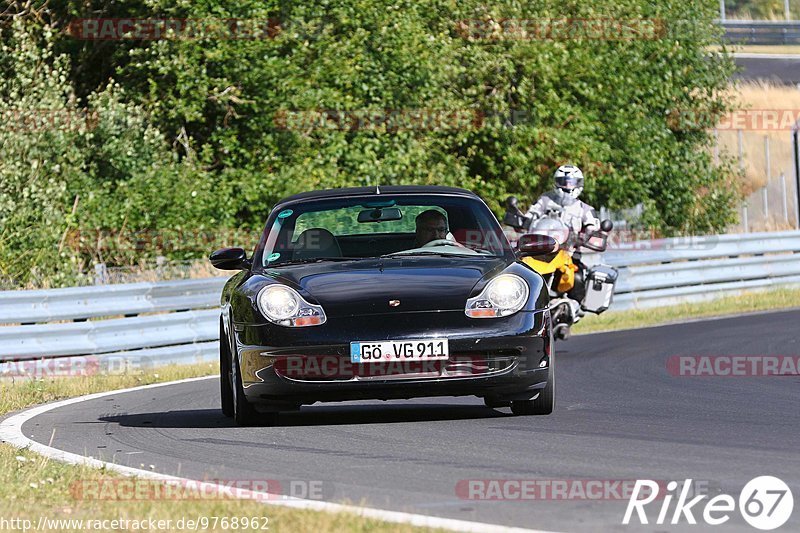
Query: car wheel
[225,388]
[495,403]
[542,404]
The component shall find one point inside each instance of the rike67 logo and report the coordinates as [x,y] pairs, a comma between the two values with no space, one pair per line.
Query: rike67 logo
[765,503]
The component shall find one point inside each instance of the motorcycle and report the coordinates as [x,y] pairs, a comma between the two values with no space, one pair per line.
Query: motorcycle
[577,280]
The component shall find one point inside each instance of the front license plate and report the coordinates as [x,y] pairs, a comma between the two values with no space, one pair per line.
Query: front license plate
[376,351]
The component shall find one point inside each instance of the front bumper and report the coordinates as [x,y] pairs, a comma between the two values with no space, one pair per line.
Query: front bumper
[507,358]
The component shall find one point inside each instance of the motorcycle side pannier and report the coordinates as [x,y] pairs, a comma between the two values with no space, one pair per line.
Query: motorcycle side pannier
[600,281]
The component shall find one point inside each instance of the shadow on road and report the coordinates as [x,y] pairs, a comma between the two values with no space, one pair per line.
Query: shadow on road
[312,416]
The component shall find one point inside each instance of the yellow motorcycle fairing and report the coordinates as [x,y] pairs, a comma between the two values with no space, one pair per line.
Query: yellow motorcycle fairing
[562,263]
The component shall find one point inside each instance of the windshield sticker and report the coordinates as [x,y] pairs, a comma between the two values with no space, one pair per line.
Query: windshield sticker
[273,256]
[285,213]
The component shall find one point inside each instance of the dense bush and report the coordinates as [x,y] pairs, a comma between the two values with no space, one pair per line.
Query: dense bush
[78,183]
[209,133]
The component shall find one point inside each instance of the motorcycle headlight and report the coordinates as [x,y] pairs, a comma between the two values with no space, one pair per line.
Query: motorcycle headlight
[504,295]
[284,306]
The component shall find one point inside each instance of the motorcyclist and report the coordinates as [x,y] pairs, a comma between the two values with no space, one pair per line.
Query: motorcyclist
[564,198]
[574,225]
[579,216]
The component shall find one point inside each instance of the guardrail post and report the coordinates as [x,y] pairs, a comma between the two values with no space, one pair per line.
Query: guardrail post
[796,154]
[786,9]
[722,10]
[745,223]
[161,261]
[768,159]
[785,200]
[764,199]
[100,274]
[740,142]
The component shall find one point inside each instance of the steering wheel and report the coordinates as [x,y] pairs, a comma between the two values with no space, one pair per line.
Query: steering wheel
[440,242]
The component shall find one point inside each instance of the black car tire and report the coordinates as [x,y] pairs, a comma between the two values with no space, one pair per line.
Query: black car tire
[542,404]
[225,389]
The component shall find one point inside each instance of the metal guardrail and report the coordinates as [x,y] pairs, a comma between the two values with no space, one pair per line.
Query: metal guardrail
[761,32]
[105,336]
[696,248]
[681,270]
[172,322]
[177,322]
[23,307]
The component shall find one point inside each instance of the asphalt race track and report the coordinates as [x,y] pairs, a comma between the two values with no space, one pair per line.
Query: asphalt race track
[620,415]
[779,70]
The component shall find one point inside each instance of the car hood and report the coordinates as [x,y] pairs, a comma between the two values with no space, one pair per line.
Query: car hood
[366,286]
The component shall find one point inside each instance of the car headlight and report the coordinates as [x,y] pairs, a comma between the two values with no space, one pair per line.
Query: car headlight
[284,306]
[504,295]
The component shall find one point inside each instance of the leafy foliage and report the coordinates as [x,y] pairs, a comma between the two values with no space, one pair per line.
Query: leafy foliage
[193,133]
[72,176]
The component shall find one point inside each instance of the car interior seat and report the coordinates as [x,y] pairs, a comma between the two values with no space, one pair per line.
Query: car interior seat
[316,243]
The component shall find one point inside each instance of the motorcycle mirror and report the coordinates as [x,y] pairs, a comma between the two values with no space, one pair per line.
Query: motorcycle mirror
[606,225]
[596,241]
[536,244]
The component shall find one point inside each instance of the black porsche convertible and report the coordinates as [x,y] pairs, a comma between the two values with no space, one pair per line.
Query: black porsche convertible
[383,293]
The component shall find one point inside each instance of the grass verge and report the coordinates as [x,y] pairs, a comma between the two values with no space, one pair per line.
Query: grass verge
[32,486]
[746,303]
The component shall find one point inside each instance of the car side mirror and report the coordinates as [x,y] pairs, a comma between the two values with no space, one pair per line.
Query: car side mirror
[606,225]
[230,259]
[536,244]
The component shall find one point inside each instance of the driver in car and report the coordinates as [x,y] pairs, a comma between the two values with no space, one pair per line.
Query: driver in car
[431,225]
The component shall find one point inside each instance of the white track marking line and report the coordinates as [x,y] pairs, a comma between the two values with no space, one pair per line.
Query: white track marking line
[11,433]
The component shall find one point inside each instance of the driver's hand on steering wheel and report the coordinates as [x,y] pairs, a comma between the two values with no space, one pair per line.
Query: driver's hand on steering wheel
[453,241]
[443,242]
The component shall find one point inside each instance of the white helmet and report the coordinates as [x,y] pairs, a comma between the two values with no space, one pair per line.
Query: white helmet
[569,181]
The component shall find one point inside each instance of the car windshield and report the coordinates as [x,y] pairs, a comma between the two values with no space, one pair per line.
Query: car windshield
[381,226]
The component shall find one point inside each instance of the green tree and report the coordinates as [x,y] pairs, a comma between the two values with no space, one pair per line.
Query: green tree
[72,176]
[198,134]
